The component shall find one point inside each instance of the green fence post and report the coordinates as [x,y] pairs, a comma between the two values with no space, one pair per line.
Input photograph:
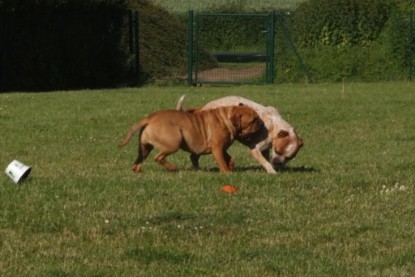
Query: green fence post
[411,45]
[197,23]
[137,48]
[293,48]
[131,45]
[3,53]
[134,47]
[190,48]
[271,73]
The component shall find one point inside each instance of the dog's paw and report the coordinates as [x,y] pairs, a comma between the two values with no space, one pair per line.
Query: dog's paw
[231,164]
[170,167]
[137,168]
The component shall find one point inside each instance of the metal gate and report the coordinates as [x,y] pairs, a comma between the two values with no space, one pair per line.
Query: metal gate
[231,48]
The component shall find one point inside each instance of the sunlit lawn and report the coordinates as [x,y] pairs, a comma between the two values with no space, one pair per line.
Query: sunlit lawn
[343,207]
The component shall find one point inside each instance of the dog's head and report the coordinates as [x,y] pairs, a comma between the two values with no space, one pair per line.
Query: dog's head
[246,121]
[285,147]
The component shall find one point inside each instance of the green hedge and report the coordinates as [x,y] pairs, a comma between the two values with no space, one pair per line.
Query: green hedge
[349,39]
[71,44]
[61,44]
[339,22]
[163,42]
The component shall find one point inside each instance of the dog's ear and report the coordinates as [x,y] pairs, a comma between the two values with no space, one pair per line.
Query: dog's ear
[236,118]
[282,134]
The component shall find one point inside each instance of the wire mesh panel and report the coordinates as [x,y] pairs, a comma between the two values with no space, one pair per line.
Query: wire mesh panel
[240,44]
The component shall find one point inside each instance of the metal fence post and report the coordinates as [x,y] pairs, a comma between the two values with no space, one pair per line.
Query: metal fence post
[411,46]
[190,48]
[271,54]
[134,47]
[131,45]
[4,19]
[137,48]
[197,47]
[293,48]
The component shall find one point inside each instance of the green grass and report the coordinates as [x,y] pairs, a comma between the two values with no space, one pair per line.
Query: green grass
[344,207]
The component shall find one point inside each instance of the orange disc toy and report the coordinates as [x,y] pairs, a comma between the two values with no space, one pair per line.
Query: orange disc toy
[229,189]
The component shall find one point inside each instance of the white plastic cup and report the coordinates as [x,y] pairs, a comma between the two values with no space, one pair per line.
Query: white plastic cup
[18,171]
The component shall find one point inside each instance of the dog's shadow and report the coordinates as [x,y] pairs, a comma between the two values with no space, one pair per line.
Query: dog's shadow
[286,169]
[297,169]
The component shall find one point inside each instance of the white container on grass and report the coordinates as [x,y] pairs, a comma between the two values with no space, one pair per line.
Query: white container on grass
[18,171]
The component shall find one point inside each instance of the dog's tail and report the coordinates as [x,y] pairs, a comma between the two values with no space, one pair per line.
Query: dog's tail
[179,105]
[137,127]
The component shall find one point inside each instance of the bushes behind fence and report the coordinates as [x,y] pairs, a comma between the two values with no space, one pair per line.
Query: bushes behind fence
[349,39]
[337,39]
[61,44]
[72,44]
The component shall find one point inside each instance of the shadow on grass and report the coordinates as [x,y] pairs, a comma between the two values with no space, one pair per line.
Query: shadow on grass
[297,169]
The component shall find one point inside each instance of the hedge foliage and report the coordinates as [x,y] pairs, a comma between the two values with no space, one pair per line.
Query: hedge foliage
[339,22]
[351,39]
[54,44]
[337,39]
[237,33]
[71,44]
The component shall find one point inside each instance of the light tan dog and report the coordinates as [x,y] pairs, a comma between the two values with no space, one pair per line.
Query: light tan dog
[276,134]
[199,132]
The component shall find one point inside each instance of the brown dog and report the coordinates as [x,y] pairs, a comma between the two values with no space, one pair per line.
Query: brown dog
[276,134]
[199,132]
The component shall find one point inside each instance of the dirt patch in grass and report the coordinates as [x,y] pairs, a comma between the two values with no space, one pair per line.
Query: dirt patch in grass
[228,74]
[233,74]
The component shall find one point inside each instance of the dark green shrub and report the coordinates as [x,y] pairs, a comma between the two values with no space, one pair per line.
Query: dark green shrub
[61,44]
[71,44]
[395,39]
[333,64]
[245,33]
[163,42]
[348,39]
[339,22]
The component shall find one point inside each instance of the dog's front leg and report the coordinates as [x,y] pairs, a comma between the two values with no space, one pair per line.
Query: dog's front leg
[229,161]
[256,153]
[218,154]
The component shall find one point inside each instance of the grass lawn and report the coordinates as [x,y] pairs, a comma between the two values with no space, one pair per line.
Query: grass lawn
[344,207]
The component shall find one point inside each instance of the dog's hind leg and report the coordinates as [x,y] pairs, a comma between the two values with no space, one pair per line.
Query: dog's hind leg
[143,152]
[161,159]
[195,160]
[144,149]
